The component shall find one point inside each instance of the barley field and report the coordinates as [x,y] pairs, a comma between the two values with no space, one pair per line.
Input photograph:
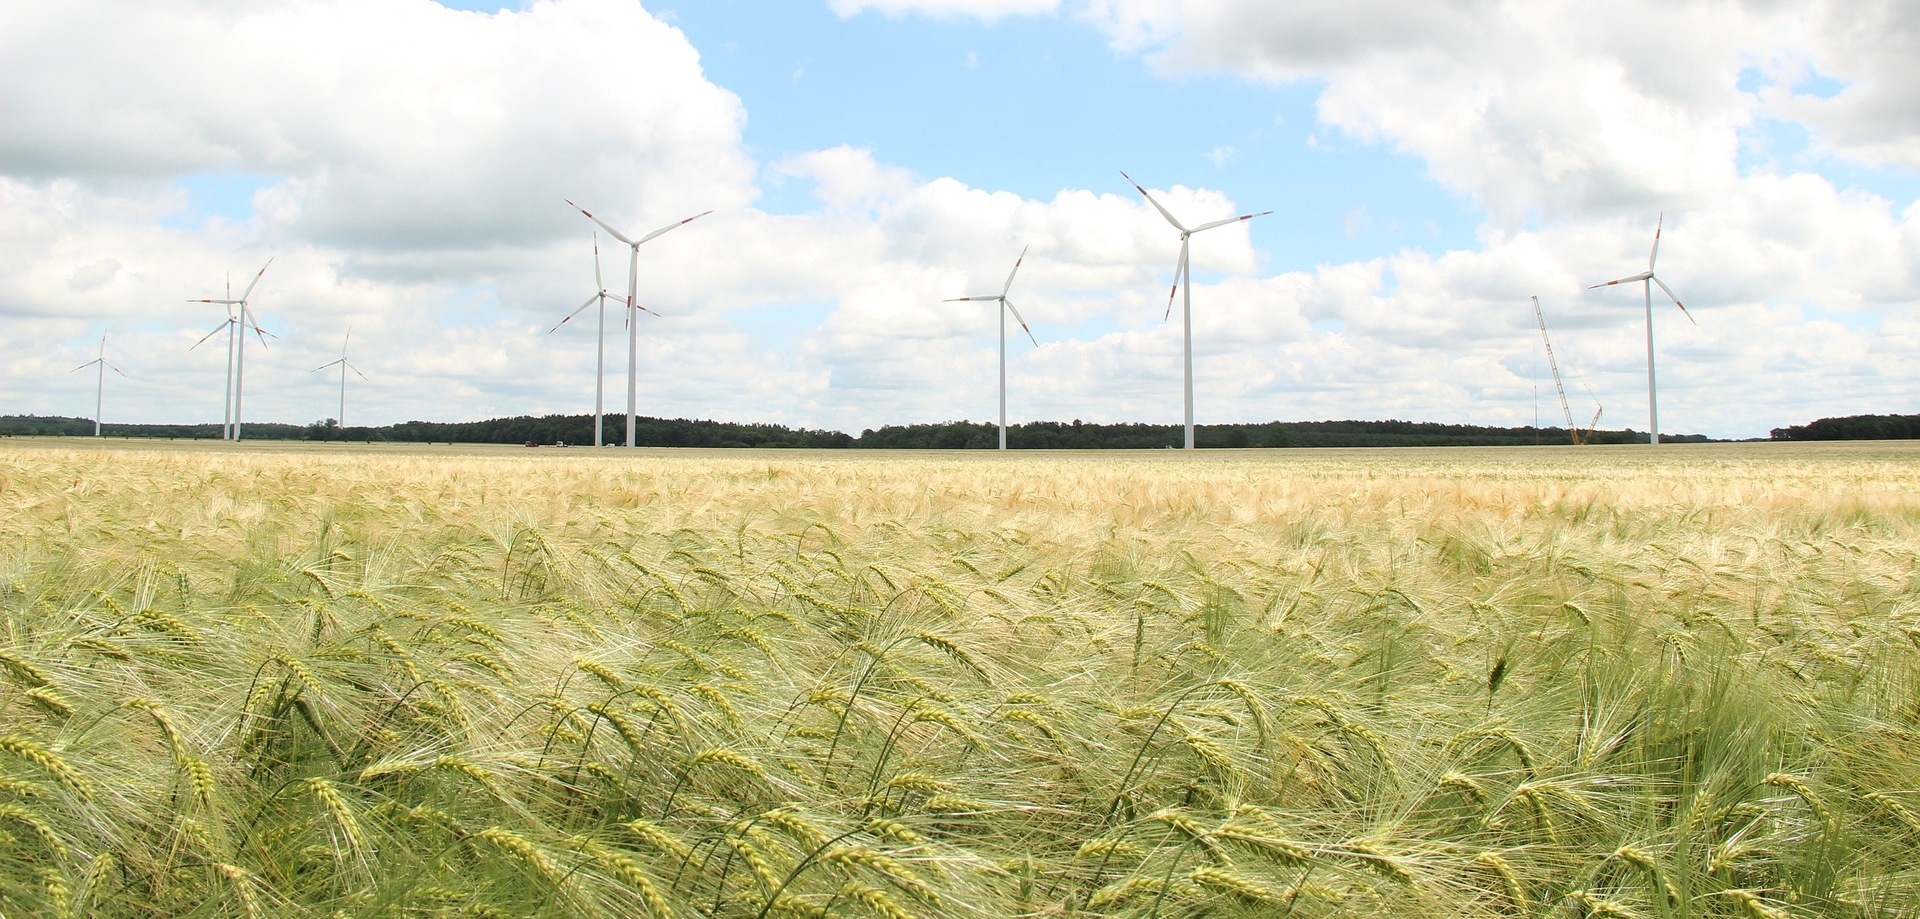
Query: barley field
[289,680]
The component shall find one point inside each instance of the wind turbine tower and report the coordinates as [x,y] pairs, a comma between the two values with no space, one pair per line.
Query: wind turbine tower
[236,352]
[1182,279]
[226,406]
[633,328]
[600,341]
[1006,307]
[100,384]
[1647,281]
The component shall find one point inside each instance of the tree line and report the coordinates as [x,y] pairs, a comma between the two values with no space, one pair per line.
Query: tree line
[1854,427]
[952,435]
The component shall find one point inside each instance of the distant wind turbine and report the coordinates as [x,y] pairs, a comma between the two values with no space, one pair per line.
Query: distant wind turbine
[1006,307]
[236,354]
[341,418]
[633,281]
[1647,280]
[600,342]
[1182,278]
[100,385]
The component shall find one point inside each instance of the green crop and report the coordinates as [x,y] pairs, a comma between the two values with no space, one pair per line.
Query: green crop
[292,681]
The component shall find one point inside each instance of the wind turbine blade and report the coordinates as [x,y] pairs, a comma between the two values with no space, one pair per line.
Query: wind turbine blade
[959,299]
[1222,223]
[216,331]
[356,372]
[1179,270]
[673,226]
[1023,322]
[628,314]
[227,302]
[247,319]
[116,369]
[1156,204]
[1676,300]
[603,224]
[590,301]
[1629,280]
[598,284]
[85,365]
[327,364]
[1016,270]
[256,279]
[1656,240]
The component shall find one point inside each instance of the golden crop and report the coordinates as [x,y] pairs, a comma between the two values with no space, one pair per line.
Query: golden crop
[301,680]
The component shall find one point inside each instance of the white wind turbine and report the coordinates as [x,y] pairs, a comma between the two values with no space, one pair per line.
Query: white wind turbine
[1182,278]
[633,281]
[341,418]
[236,353]
[600,342]
[1006,306]
[99,385]
[1647,280]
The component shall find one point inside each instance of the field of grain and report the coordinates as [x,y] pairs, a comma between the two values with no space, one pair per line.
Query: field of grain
[305,681]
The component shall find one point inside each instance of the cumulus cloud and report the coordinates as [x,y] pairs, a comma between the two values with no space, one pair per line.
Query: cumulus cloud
[1539,107]
[1562,109]
[394,124]
[1413,335]
[417,157]
[1869,46]
[987,10]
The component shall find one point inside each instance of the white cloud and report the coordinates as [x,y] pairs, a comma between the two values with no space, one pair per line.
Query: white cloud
[398,125]
[1555,108]
[1560,108]
[417,200]
[1870,46]
[846,177]
[986,10]
[1412,335]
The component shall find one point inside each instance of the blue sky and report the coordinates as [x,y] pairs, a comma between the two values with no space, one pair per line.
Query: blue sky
[1036,104]
[1429,168]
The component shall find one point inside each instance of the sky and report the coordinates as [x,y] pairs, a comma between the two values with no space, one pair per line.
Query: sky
[406,166]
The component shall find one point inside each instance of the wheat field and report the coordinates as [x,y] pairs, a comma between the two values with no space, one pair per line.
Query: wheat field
[297,680]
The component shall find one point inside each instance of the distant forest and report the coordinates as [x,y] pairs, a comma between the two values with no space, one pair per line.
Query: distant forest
[953,435]
[1854,427]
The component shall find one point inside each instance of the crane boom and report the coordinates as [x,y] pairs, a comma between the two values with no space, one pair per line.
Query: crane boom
[1565,409]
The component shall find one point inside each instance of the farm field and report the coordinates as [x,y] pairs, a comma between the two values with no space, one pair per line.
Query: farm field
[327,680]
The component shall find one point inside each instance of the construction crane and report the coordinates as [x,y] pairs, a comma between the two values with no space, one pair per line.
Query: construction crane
[1565,409]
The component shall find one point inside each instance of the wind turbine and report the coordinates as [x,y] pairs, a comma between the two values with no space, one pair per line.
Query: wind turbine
[236,355]
[1006,307]
[344,367]
[633,281]
[226,416]
[100,385]
[600,343]
[1647,280]
[1180,274]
